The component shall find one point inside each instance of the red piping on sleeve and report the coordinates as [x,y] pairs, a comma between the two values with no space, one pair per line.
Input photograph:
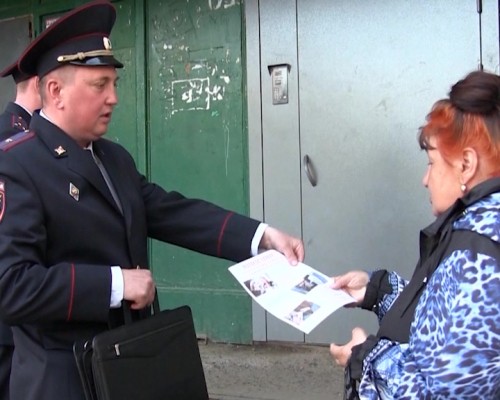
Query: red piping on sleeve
[71,292]
[221,233]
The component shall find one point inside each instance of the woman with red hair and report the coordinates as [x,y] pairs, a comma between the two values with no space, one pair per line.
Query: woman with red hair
[439,335]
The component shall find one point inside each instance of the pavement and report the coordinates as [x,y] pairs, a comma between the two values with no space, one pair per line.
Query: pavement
[270,371]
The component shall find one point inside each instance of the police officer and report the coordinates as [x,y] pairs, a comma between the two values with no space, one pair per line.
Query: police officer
[15,118]
[17,114]
[75,213]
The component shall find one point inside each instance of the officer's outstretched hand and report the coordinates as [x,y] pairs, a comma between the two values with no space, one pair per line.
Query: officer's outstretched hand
[138,287]
[290,246]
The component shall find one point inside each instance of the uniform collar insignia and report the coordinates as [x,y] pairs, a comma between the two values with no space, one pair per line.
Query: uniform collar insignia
[60,150]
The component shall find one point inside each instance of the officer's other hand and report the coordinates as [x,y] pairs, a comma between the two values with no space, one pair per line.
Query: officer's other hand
[138,287]
[290,246]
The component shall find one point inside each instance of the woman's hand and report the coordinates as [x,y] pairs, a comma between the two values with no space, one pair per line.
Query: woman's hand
[354,283]
[341,354]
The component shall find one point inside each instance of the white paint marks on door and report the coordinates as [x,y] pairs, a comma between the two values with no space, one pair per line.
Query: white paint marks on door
[221,4]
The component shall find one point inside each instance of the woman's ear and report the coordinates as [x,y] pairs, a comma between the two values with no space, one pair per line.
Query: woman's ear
[470,165]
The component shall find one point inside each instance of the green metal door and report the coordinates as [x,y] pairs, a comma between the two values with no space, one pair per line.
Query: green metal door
[197,145]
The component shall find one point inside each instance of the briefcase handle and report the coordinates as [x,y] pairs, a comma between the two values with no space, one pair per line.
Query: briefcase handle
[127,311]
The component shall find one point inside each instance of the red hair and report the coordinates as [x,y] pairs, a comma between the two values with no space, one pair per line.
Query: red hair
[455,130]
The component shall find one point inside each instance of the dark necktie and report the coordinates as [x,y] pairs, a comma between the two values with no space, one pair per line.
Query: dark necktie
[107,179]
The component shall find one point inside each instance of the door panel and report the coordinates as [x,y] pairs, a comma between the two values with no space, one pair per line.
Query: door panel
[366,74]
[197,148]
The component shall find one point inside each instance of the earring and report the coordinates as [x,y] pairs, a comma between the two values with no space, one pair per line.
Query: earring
[463,188]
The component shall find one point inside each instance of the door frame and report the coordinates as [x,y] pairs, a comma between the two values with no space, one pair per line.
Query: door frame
[281,130]
[254,123]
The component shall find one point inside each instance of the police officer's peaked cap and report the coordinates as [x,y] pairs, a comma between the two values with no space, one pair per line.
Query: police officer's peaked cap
[13,70]
[79,37]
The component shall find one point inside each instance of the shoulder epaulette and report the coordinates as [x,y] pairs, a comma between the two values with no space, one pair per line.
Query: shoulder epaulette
[16,139]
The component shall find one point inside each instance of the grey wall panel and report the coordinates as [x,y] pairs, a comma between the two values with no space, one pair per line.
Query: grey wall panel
[365,75]
[369,73]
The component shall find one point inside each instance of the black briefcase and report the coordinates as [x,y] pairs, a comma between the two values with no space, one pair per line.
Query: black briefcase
[156,358]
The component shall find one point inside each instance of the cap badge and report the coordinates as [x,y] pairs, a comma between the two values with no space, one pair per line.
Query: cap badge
[60,150]
[107,43]
[74,191]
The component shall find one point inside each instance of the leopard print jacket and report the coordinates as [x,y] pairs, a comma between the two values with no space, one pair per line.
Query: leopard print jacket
[454,346]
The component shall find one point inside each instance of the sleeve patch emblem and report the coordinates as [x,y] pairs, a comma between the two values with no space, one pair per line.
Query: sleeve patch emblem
[2,199]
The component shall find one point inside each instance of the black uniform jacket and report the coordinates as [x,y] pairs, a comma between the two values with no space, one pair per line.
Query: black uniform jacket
[13,119]
[61,231]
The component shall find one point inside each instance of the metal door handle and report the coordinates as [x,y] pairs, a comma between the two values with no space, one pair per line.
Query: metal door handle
[310,172]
